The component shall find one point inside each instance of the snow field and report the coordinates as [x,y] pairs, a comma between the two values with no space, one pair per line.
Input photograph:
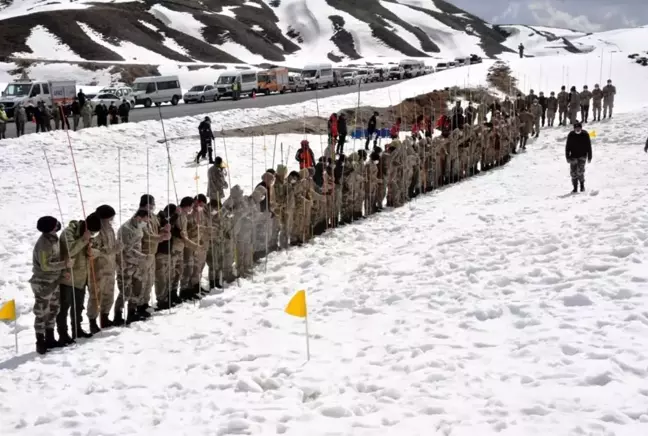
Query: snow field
[496,306]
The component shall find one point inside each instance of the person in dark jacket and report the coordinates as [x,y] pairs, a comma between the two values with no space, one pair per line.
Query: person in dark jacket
[114,114]
[469,117]
[76,114]
[305,156]
[82,98]
[342,133]
[578,150]
[521,50]
[102,114]
[124,110]
[371,130]
[646,147]
[543,104]
[206,140]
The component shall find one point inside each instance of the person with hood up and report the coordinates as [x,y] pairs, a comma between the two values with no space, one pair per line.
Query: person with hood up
[597,97]
[609,91]
[332,131]
[182,245]
[507,106]
[305,156]
[563,103]
[56,115]
[372,130]
[114,113]
[342,133]
[81,98]
[457,116]
[194,254]
[102,114]
[3,122]
[217,185]
[124,110]
[578,151]
[47,270]
[520,104]
[585,97]
[74,244]
[86,114]
[20,118]
[46,118]
[552,108]
[469,114]
[574,105]
[206,140]
[102,271]
[531,98]
[526,124]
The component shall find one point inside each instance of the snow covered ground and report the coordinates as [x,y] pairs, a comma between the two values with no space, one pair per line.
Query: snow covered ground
[499,305]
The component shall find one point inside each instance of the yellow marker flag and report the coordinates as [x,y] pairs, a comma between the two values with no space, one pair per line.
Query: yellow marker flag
[297,305]
[8,311]
[592,134]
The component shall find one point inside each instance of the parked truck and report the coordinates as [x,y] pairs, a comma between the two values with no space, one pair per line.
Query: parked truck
[26,91]
[273,80]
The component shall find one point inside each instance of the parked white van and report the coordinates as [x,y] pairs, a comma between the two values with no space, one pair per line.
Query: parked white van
[396,73]
[247,79]
[157,89]
[318,75]
[413,68]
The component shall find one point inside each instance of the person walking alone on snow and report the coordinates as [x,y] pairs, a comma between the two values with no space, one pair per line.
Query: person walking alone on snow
[206,138]
[578,150]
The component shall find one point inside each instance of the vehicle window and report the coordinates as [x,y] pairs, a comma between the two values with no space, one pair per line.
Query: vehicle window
[118,93]
[248,78]
[224,80]
[263,78]
[208,88]
[45,88]
[35,90]
[197,88]
[309,73]
[327,72]
[14,90]
[362,72]
[150,88]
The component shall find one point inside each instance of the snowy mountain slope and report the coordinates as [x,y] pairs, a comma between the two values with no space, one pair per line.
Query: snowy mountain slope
[242,30]
[496,306]
[542,41]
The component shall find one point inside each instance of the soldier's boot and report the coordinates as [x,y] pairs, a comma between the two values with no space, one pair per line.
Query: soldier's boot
[94,328]
[142,311]
[175,298]
[118,320]
[582,186]
[131,314]
[41,346]
[78,332]
[196,292]
[105,322]
[184,295]
[197,158]
[50,340]
[162,305]
[575,185]
[64,337]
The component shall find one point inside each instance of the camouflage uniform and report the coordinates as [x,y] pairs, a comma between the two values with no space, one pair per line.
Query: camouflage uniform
[47,270]
[220,257]
[597,97]
[585,97]
[303,205]
[371,184]
[238,207]
[130,262]
[217,184]
[285,204]
[563,102]
[203,239]
[536,113]
[144,279]
[552,107]
[189,253]
[609,91]
[526,124]
[102,271]
[574,107]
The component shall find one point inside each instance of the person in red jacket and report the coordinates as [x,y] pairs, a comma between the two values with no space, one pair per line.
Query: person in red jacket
[333,130]
[305,156]
[444,124]
[394,132]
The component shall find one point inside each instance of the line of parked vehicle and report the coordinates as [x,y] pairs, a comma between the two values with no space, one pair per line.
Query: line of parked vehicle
[156,90]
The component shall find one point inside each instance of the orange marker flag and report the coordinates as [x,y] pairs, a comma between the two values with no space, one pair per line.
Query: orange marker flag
[297,307]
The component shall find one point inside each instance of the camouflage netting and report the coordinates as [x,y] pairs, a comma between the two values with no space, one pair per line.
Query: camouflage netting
[500,76]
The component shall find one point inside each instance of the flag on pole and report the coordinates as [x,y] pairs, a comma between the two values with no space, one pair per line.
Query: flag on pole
[8,311]
[297,307]
[592,134]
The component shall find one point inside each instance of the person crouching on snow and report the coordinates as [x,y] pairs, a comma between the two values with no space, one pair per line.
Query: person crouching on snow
[578,150]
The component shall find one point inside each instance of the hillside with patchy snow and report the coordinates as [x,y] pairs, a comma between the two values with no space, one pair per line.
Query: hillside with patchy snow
[241,31]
